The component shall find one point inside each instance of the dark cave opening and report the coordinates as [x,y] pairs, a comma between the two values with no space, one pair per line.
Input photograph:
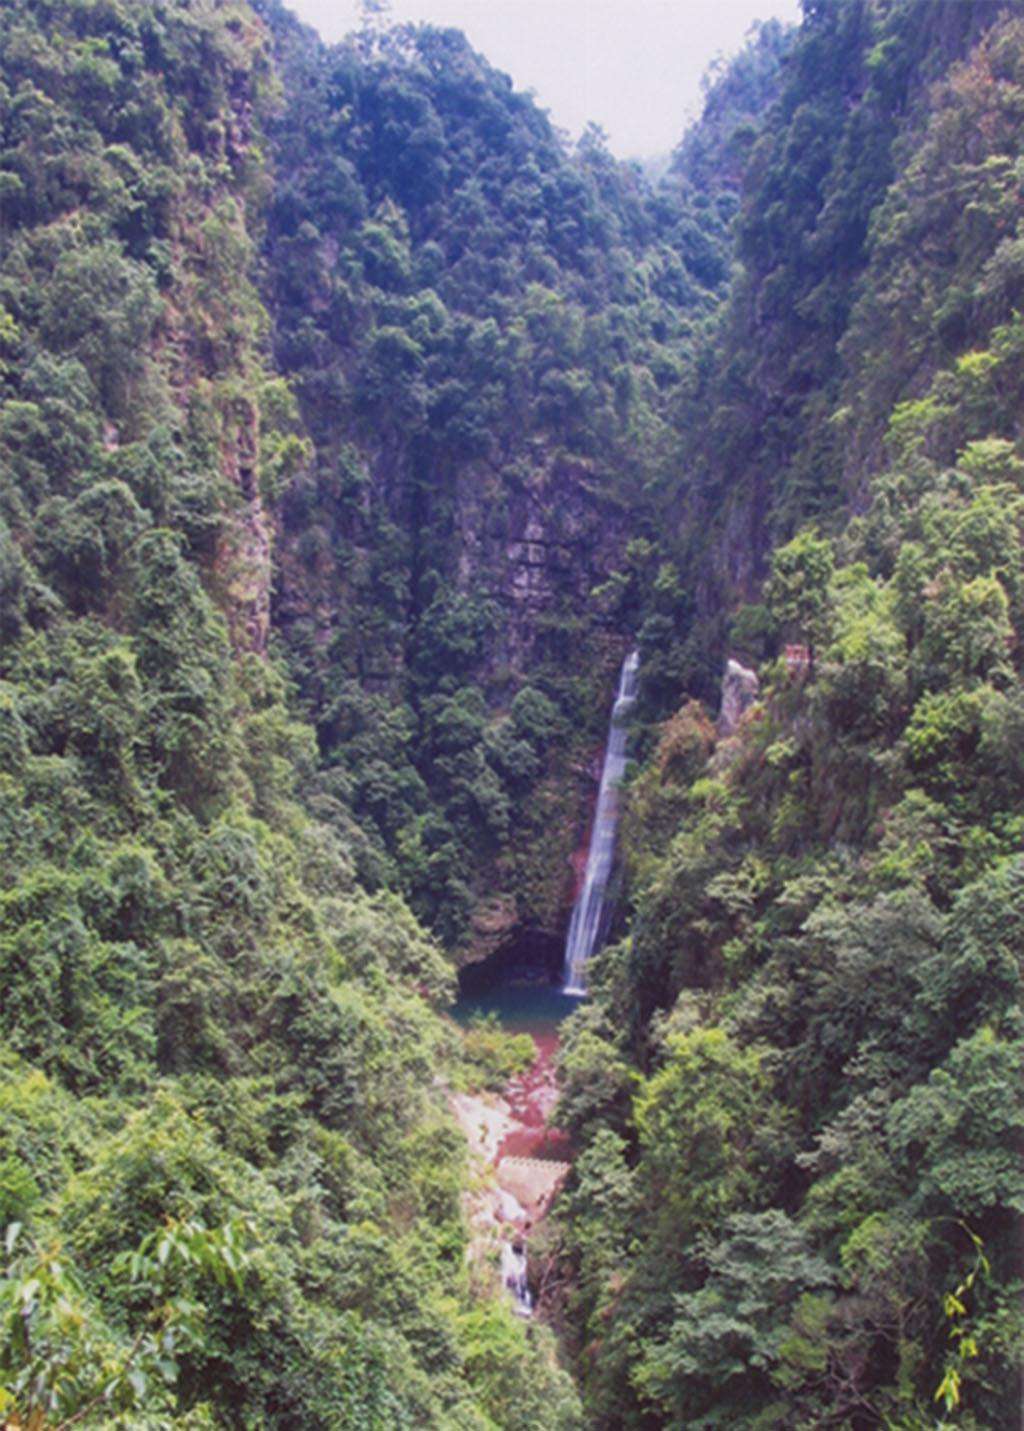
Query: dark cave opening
[530,958]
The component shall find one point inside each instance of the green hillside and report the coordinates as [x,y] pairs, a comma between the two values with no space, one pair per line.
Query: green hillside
[798,1085]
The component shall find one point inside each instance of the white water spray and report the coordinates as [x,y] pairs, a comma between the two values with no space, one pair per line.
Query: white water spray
[588,915]
[514,1275]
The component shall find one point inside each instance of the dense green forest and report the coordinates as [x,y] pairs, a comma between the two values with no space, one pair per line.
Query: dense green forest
[353,426]
[798,1087]
[230,1187]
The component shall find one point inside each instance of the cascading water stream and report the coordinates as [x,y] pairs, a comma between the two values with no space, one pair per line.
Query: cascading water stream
[588,915]
[514,1273]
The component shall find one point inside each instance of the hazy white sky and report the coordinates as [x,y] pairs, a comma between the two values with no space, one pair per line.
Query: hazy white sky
[632,66]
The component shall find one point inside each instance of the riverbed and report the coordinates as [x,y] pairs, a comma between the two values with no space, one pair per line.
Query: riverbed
[521,1161]
[517,1119]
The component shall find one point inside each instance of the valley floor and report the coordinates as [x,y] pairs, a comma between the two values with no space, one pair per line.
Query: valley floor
[519,1161]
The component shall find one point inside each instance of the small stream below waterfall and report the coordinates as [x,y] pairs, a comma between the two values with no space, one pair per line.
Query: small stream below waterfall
[537,1010]
[515,1277]
[509,1133]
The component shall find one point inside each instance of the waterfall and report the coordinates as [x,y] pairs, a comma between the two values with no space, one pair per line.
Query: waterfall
[588,913]
[513,1275]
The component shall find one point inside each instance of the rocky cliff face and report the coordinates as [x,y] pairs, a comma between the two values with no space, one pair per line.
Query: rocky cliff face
[536,546]
[244,548]
[484,382]
[532,546]
[521,554]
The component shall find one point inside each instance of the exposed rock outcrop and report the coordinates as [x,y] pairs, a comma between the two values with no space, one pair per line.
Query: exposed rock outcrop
[243,564]
[739,692]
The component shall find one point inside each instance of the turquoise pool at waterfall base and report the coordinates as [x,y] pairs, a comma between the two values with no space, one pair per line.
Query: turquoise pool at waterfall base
[536,1009]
